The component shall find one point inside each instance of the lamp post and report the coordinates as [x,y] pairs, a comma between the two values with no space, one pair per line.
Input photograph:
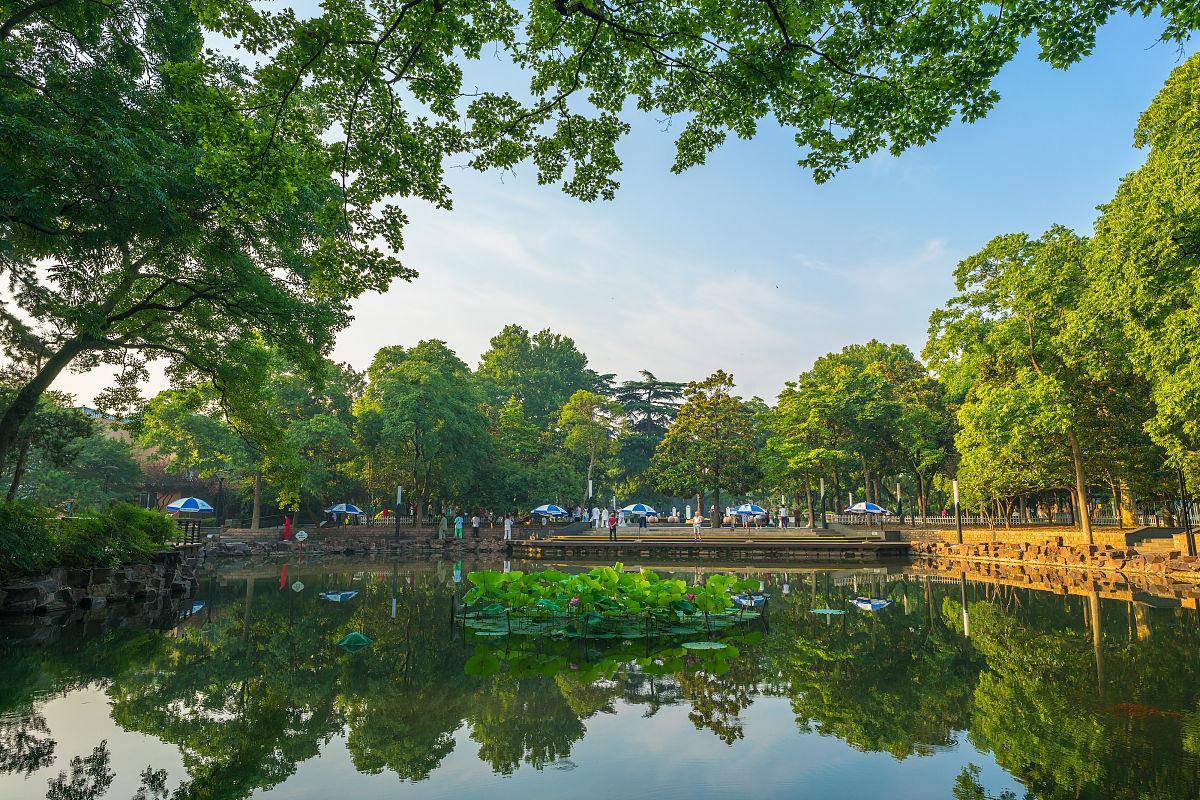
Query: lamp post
[957,513]
[399,498]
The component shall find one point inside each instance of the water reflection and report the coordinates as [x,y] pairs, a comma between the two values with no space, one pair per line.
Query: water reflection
[1072,695]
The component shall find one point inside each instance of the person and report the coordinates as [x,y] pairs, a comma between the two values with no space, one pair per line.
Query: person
[458,523]
[783,517]
[475,526]
[508,523]
[442,527]
[596,517]
[642,521]
[697,521]
[612,526]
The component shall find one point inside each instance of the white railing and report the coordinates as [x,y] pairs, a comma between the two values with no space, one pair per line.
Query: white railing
[968,520]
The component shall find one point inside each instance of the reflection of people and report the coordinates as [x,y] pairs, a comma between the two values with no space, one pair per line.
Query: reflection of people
[612,526]
[458,523]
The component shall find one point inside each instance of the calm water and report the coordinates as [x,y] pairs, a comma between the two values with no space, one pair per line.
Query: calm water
[251,696]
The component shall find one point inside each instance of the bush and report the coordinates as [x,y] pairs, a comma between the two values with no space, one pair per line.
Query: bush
[32,540]
[119,535]
[28,538]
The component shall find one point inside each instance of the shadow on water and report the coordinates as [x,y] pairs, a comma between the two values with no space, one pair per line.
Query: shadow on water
[1071,696]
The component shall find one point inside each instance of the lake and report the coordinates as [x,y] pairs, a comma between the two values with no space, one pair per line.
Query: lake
[246,692]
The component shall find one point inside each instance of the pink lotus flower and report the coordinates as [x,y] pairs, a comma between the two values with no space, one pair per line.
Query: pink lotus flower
[574,601]
[691,597]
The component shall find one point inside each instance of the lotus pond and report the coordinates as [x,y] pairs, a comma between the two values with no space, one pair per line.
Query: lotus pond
[261,687]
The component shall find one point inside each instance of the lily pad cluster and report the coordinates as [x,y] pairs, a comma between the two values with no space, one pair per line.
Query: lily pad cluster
[605,602]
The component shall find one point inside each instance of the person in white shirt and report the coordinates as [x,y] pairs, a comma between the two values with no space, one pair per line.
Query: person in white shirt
[508,527]
[596,517]
[475,526]
[783,517]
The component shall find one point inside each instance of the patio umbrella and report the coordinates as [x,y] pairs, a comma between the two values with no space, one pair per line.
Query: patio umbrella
[550,510]
[865,508]
[749,510]
[344,508]
[640,509]
[189,504]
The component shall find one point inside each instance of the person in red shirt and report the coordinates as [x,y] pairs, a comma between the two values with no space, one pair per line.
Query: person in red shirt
[612,526]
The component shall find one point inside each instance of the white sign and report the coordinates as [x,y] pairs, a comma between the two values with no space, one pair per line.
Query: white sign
[301,536]
[297,587]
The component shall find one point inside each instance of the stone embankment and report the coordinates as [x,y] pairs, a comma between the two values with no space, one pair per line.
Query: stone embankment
[63,591]
[348,541]
[1172,566]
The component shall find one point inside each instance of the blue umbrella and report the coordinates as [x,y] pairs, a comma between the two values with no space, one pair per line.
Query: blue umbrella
[189,504]
[749,509]
[550,510]
[639,509]
[865,508]
[344,508]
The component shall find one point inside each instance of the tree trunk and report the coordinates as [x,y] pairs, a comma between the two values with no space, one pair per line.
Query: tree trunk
[19,469]
[256,509]
[26,400]
[718,518]
[866,479]
[1081,516]
[1128,506]
[812,520]
[587,482]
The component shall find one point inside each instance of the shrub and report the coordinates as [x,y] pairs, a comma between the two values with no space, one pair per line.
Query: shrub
[32,540]
[28,538]
[119,535]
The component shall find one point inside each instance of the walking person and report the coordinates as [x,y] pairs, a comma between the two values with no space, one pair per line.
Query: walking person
[475,526]
[443,526]
[596,517]
[697,521]
[612,526]
[508,523]
[458,523]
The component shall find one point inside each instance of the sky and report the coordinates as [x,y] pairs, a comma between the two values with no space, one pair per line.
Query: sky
[745,264]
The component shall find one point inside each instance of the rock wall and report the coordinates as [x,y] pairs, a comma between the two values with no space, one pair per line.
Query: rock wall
[1115,537]
[64,590]
[1172,565]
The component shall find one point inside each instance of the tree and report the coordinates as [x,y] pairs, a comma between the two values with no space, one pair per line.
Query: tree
[710,443]
[421,411]
[147,214]
[1148,266]
[541,371]
[529,465]
[50,437]
[101,471]
[649,405]
[590,424]
[1014,324]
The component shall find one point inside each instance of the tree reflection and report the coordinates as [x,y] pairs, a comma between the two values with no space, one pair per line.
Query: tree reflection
[1076,697]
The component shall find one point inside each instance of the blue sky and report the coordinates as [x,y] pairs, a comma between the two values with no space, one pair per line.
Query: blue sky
[745,264]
